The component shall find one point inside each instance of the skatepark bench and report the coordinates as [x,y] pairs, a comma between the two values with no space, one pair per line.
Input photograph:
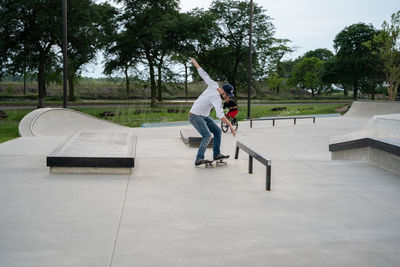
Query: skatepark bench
[252,154]
[294,118]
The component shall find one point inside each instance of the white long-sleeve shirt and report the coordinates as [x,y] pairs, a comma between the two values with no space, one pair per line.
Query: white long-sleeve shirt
[208,99]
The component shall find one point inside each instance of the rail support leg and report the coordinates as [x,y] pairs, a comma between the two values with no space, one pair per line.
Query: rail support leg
[237,152]
[268,179]
[250,164]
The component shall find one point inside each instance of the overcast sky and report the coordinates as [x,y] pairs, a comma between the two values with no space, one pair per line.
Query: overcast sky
[309,24]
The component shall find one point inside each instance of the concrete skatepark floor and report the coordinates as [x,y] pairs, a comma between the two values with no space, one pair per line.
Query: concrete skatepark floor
[168,212]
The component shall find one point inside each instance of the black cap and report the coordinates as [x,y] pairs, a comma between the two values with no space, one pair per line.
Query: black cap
[228,88]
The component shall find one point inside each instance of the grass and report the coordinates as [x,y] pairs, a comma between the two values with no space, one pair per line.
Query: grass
[8,130]
[291,110]
[134,116]
[9,126]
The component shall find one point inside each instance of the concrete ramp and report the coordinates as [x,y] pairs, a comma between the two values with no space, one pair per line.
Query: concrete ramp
[61,122]
[379,126]
[371,108]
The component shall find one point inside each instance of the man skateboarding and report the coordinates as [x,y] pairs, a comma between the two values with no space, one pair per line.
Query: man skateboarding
[199,116]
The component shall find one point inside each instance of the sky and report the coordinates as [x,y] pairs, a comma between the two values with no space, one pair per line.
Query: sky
[309,24]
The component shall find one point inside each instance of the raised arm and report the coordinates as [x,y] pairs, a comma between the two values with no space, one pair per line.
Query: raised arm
[195,63]
[204,74]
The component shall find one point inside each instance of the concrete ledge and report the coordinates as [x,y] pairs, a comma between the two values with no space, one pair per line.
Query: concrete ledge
[88,170]
[99,151]
[96,162]
[385,160]
[371,155]
[355,154]
[384,153]
[388,145]
[377,142]
[192,138]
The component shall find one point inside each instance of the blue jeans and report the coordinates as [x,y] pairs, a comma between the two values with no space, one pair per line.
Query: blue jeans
[205,126]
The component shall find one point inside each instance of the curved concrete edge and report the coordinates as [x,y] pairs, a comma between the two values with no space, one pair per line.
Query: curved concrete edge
[25,125]
[371,108]
[61,122]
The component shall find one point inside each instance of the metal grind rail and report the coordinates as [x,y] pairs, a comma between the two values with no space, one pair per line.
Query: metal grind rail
[294,118]
[252,154]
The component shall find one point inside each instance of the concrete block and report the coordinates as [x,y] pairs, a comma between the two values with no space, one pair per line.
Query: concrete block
[94,152]
[192,138]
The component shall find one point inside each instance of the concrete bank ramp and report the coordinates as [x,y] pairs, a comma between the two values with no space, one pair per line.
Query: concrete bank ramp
[379,126]
[61,122]
[371,108]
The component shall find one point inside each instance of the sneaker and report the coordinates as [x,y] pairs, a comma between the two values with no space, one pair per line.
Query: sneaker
[220,156]
[199,162]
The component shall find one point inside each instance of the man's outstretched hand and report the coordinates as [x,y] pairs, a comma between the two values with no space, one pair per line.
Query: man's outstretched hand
[227,122]
[194,62]
[233,131]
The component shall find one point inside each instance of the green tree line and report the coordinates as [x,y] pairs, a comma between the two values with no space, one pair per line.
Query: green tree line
[156,35]
[364,59]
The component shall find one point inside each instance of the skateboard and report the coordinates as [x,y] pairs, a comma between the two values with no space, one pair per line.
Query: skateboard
[216,162]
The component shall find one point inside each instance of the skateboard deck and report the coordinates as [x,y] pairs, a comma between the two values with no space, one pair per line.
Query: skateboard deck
[216,162]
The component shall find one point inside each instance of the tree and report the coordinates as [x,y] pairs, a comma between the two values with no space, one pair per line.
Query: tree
[306,74]
[227,57]
[353,57]
[3,55]
[145,22]
[88,26]
[122,54]
[167,44]
[321,53]
[324,55]
[386,45]
[331,73]
[274,81]
[31,30]
[194,35]
[3,49]
[276,70]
